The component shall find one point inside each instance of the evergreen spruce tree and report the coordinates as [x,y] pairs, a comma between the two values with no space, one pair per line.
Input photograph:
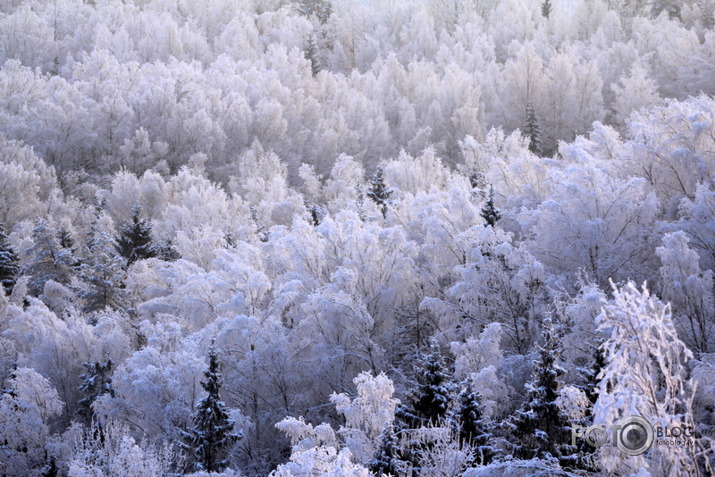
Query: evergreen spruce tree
[490,213]
[134,241]
[9,261]
[313,55]
[104,269]
[533,130]
[387,459]
[470,425]
[212,434]
[50,258]
[546,9]
[540,428]
[96,381]
[431,399]
[378,192]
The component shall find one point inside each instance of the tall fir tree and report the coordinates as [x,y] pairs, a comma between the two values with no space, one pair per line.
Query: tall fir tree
[532,129]
[468,421]
[104,269]
[378,192]
[540,429]
[489,212]
[212,434]
[546,9]
[387,459]
[9,263]
[134,241]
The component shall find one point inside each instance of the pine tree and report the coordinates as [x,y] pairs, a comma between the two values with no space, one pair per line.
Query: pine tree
[212,433]
[50,258]
[387,459]
[470,425]
[96,381]
[533,130]
[104,270]
[378,192]
[9,260]
[540,428]
[490,213]
[134,241]
[546,9]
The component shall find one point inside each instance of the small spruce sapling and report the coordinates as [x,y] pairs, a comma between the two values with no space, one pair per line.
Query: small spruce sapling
[9,261]
[378,192]
[489,212]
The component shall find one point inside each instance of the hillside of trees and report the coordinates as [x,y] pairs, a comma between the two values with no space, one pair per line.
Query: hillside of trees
[359,238]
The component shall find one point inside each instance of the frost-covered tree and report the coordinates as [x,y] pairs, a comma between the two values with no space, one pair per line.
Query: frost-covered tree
[210,438]
[690,291]
[27,411]
[646,374]
[135,241]
[546,9]
[9,263]
[115,452]
[367,415]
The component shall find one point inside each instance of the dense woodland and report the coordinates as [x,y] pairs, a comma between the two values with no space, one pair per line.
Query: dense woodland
[354,237]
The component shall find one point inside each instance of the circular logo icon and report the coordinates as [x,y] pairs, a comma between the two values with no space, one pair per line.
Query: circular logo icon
[635,435]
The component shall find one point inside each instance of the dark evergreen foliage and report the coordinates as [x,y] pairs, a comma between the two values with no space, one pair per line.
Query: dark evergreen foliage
[470,425]
[546,9]
[387,459]
[208,441]
[96,380]
[378,192]
[9,263]
[313,55]
[489,212]
[540,429]
[432,396]
[134,241]
[166,252]
[532,130]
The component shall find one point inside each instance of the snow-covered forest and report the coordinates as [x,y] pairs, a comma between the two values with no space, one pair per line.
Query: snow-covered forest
[422,238]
